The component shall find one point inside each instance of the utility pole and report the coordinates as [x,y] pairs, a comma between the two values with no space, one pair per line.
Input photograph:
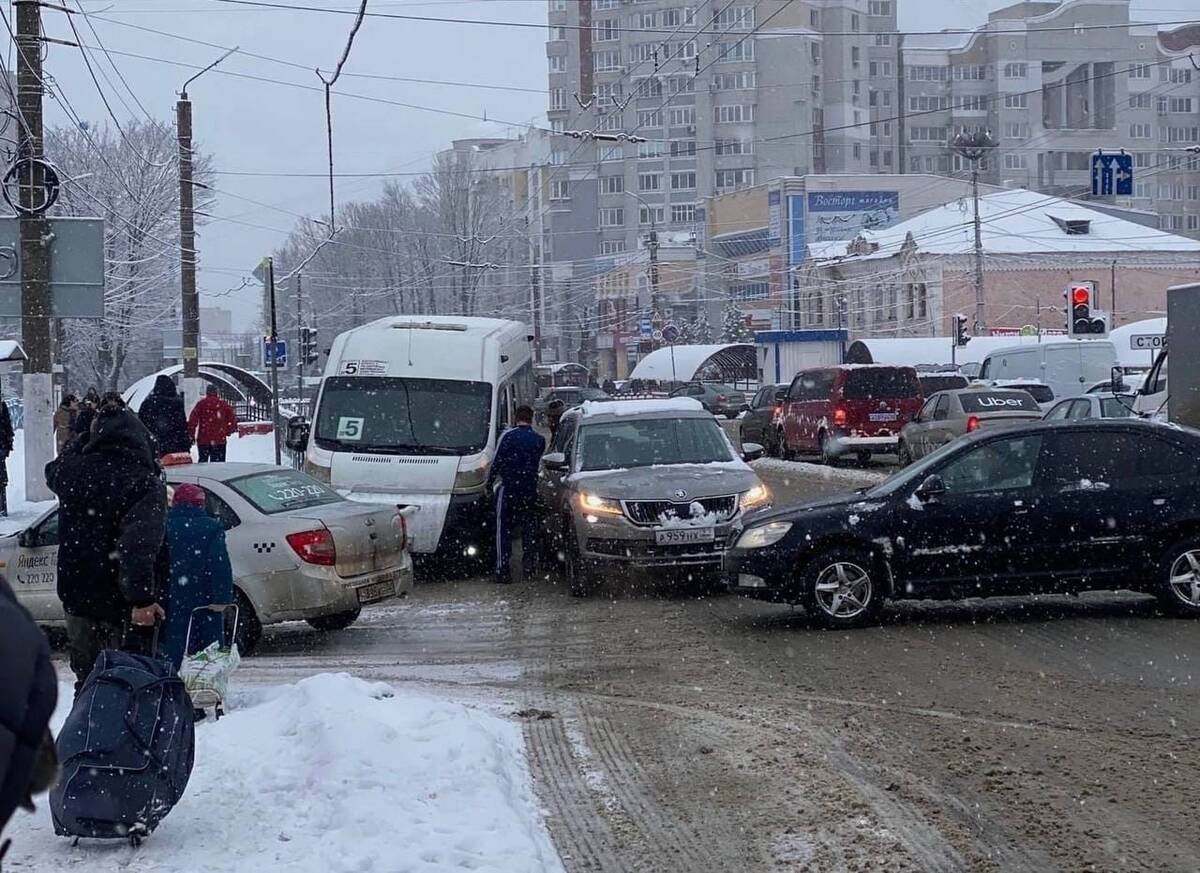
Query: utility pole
[300,351]
[535,293]
[269,263]
[37,383]
[189,299]
[652,245]
[974,146]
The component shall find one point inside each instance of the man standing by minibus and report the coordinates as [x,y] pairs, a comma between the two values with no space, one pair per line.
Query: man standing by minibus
[513,478]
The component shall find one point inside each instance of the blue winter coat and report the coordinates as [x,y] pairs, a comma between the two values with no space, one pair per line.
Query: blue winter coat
[200,575]
[516,462]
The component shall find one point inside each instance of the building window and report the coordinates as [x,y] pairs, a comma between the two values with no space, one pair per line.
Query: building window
[612,217]
[606,30]
[735,18]
[683,148]
[1016,130]
[731,180]
[887,159]
[1140,101]
[1193,222]
[855,54]
[879,7]
[560,189]
[972,103]
[612,184]
[927,134]
[558,34]
[683,213]
[647,20]
[560,5]
[854,22]
[733,113]
[683,181]
[1139,71]
[650,215]
[970,73]
[922,300]
[1140,131]
[1016,71]
[558,64]
[1016,101]
[814,50]
[731,52]
[558,157]
[922,73]
[611,153]
[1015,162]
[558,98]
[677,17]
[856,150]
[606,60]
[681,85]
[650,118]
[649,181]
[648,151]
[883,39]
[681,116]
[604,4]
[724,147]
[928,104]
[814,18]
[741,81]
[874,158]
[612,246]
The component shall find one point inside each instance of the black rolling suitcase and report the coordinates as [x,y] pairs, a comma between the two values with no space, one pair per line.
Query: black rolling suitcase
[126,749]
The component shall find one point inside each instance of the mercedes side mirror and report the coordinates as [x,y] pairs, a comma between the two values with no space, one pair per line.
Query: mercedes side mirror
[931,489]
[297,433]
[751,452]
[554,461]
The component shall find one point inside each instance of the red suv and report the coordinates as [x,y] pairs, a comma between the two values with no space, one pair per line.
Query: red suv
[856,409]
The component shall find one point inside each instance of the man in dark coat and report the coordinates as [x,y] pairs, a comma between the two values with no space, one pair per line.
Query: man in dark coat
[28,693]
[112,524]
[516,468]
[6,447]
[162,413]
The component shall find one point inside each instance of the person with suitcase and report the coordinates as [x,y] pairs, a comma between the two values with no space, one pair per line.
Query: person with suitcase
[112,563]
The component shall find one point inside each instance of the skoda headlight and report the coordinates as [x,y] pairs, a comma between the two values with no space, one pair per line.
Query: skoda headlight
[764,535]
[598,505]
[472,474]
[756,498]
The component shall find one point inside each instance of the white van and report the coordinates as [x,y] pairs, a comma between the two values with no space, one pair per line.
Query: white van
[1151,398]
[1067,367]
[410,411]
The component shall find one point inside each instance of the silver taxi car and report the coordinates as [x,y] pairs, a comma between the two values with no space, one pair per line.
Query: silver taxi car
[299,550]
[644,484]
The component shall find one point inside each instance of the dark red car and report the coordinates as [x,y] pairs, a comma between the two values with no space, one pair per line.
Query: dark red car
[854,409]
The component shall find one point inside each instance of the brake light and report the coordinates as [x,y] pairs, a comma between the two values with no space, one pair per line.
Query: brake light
[720,398]
[401,525]
[839,416]
[314,546]
[972,423]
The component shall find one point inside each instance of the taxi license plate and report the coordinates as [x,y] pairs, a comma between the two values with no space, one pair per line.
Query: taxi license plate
[883,416]
[377,591]
[683,536]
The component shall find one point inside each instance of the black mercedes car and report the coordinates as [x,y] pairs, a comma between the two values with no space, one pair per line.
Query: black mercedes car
[1043,507]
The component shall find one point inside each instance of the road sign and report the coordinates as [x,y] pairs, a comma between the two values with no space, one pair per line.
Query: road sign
[646,327]
[670,333]
[76,268]
[1112,173]
[1147,342]
[276,357]
[658,335]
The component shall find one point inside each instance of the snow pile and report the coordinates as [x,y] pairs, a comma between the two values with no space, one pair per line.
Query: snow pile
[698,517]
[331,775]
[824,471]
[21,512]
[258,448]
[664,406]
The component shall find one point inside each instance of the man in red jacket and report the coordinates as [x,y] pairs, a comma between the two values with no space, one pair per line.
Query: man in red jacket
[211,423]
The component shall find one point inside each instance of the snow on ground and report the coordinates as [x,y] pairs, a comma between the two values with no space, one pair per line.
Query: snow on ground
[823,471]
[330,775]
[258,448]
[20,511]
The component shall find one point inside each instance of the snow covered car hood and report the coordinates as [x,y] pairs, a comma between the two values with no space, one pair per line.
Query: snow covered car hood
[665,481]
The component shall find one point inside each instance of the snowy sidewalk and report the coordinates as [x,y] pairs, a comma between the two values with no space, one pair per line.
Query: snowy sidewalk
[330,775]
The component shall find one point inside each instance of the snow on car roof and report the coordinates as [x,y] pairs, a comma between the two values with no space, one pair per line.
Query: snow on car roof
[664,406]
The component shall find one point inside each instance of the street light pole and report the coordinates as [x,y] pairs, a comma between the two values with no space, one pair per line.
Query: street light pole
[974,146]
[189,298]
[652,247]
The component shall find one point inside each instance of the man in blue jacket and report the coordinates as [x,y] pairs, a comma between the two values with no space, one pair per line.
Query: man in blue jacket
[516,468]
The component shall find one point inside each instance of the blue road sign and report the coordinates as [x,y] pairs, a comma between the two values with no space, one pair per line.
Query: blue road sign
[646,327]
[1112,174]
[276,357]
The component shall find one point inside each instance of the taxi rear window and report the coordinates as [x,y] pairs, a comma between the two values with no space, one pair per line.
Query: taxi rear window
[283,490]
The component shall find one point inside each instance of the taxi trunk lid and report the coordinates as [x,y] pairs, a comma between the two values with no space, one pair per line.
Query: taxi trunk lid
[365,535]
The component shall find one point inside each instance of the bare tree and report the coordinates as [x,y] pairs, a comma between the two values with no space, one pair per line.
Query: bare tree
[130,179]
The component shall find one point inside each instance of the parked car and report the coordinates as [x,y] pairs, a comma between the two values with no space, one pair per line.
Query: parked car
[932,383]
[852,409]
[570,396]
[717,399]
[1042,507]
[761,422]
[643,483]
[1098,405]
[949,414]
[299,550]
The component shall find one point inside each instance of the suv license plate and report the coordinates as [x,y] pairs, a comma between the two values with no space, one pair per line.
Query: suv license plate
[377,591]
[883,416]
[684,535]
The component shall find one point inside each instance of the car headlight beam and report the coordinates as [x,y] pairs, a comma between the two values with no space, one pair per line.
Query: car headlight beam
[763,535]
[598,505]
[756,498]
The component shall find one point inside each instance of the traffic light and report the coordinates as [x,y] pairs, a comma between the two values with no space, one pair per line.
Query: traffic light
[1084,319]
[960,331]
[308,345]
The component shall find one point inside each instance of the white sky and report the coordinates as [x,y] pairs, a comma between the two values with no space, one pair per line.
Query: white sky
[266,126]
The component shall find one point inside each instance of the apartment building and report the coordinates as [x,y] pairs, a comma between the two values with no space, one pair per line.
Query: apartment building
[1054,82]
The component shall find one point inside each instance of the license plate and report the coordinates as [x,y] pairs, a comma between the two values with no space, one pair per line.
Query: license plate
[684,535]
[377,591]
[884,416]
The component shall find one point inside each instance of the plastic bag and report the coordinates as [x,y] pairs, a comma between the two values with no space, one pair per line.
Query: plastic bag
[210,669]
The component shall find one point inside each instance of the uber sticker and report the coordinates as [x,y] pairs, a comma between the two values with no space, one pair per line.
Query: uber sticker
[350,428]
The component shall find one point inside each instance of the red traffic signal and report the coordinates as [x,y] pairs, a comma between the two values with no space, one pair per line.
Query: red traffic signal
[1081,295]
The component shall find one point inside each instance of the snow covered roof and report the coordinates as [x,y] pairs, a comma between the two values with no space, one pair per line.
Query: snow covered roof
[664,406]
[10,350]
[1018,221]
[945,41]
[735,360]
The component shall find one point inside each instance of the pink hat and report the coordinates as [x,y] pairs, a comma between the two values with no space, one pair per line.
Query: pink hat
[189,495]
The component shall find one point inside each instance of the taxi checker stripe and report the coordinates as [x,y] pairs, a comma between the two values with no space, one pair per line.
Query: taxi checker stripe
[263,548]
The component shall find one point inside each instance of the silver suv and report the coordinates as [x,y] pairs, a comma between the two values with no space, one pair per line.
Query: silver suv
[644,483]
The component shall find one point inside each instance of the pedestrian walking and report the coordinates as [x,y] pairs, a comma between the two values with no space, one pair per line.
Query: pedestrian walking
[64,421]
[514,479]
[112,560]
[211,424]
[201,575]
[7,436]
[162,413]
[28,694]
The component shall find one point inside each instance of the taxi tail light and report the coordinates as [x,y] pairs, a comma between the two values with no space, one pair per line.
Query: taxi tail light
[721,398]
[839,416]
[401,525]
[972,424]
[314,546]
